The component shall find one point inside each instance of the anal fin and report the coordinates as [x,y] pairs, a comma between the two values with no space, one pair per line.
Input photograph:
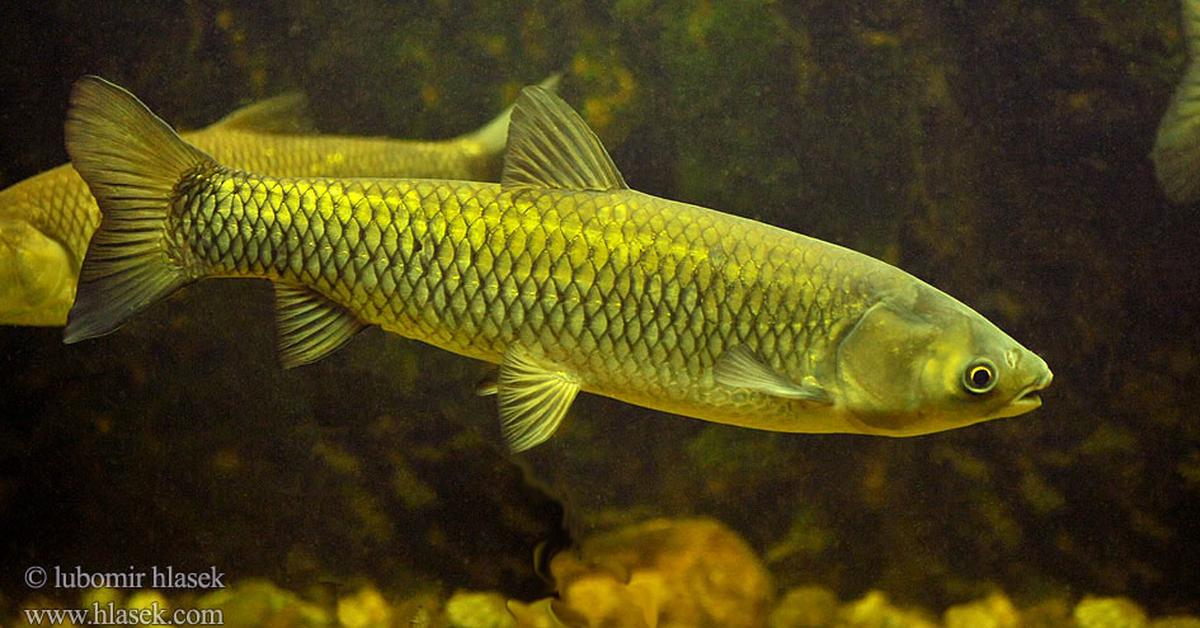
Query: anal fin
[533,398]
[310,326]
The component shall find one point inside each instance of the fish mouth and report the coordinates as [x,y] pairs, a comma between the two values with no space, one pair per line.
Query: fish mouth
[1029,399]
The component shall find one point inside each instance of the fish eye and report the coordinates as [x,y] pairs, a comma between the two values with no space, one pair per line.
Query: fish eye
[980,376]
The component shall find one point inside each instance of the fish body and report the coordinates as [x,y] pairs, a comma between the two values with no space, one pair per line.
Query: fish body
[47,219]
[1176,151]
[45,223]
[635,295]
[561,274]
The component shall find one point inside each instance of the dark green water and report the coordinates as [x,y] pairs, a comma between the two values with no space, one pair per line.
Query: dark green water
[995,149]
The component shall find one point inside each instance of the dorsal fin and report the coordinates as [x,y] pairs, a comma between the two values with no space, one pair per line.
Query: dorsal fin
[493,136]
[550,146]
[285,114]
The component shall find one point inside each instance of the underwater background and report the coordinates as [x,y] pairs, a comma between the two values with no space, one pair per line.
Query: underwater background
[995,149]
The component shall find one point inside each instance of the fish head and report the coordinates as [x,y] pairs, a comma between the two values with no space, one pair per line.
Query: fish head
[922,362]
[37,276]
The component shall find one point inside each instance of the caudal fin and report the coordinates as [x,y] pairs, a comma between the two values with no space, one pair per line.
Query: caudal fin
[1176,152]
[493,136]
[132,162]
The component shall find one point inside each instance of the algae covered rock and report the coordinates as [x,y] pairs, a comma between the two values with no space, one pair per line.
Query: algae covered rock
[598,597]
[805,607]
[994,611]
[477,609]
[874,610]
[364,609]
[686,572]
[538,614]
[1109,612]
[260,603]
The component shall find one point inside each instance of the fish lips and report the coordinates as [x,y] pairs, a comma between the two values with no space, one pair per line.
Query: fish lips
[1027,399]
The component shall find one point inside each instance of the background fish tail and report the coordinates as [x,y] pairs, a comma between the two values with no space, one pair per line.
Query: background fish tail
[132,161]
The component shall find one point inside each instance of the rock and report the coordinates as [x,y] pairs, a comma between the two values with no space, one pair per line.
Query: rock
[365,609]
[260,603]
[688,572]
[874,610]
[538,614]
[1109,612]
[994,611]
[474,609]
[805,607]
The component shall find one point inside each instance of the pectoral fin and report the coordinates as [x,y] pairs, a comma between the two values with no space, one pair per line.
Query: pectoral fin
[310,326]
[741,367]
[534,398]
[487,385]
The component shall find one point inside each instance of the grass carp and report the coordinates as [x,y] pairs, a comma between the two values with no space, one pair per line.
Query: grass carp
[560,274]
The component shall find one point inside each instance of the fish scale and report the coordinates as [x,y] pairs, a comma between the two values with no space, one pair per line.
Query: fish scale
[267,136]
[637,313]
[58,202]
[560,274]
[49,202]
[315,155]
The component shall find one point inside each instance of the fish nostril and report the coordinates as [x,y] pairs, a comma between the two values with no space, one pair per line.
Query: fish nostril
[1010,357]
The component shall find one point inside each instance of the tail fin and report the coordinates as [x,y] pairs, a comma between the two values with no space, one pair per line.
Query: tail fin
[493,136]
[132,162]
[1176,151]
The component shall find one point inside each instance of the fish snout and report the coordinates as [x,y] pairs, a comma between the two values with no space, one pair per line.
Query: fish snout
[1047,377]
[1039,380]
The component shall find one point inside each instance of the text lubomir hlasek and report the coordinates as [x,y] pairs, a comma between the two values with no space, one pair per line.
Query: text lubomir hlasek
[155,578]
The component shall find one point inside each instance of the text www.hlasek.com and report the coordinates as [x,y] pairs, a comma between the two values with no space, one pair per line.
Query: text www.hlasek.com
[112,615]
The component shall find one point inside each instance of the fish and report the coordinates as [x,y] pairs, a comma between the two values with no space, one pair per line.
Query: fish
[46,220]
[1176,151]
[560,274]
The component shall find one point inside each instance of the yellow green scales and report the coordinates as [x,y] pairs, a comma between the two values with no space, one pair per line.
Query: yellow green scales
[47,219]
[1176,151]
[560,274]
